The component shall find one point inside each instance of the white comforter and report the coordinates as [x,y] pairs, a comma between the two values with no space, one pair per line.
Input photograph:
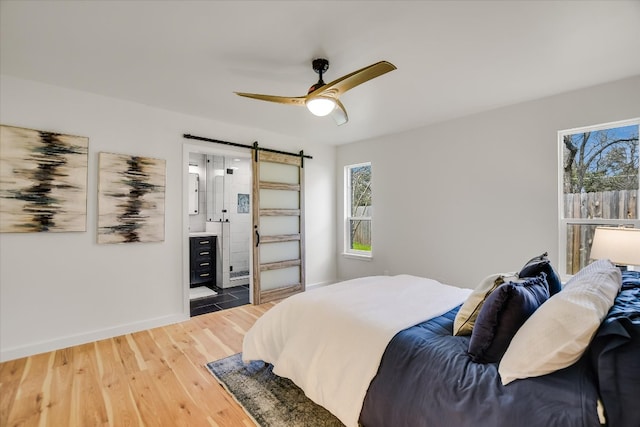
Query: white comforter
[330,341]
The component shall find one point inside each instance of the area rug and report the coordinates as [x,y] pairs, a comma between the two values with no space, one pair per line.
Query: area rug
[270,400]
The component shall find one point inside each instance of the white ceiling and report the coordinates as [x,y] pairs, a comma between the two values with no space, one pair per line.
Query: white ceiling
[454,58]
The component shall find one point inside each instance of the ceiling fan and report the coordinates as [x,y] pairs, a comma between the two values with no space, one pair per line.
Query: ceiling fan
[323,99]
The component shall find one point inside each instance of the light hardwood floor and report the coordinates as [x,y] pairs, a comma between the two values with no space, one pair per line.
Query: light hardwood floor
[155,377]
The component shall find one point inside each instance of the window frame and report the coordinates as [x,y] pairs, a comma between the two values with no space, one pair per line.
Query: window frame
[564,223]
[348,251]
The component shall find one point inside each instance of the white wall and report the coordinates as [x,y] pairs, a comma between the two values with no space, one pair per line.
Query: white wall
[466,198]
[61,289]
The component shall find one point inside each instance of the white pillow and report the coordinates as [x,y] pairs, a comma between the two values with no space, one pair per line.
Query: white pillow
[468,313]
[558,333]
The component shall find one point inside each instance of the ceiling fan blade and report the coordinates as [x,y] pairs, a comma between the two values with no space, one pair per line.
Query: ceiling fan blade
[339,114]
[272,98]
[351,80]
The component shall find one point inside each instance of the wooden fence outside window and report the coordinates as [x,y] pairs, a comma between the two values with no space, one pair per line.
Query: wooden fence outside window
[622,205]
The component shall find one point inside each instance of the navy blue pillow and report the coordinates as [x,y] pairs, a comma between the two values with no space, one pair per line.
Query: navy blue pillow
[541,264]
[504,311]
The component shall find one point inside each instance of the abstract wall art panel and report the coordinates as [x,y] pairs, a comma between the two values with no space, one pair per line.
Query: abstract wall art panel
[130,199]
[243,203]
[43,181]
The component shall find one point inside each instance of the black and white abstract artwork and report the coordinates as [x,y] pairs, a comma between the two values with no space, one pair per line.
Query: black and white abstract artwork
[43,181]
[131,197]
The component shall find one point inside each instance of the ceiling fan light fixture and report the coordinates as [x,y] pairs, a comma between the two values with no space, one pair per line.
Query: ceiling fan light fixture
[320,106]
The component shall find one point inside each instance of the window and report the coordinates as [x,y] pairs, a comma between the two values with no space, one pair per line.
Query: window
[358,209]
[599,176]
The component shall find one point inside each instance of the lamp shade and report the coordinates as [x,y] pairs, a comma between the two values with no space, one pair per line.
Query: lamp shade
[620,245]
[320,106]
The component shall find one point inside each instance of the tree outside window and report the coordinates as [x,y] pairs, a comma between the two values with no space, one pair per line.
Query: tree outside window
[599,186]
[358,209]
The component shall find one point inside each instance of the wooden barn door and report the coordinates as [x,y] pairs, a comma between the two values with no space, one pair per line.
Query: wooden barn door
[278,221]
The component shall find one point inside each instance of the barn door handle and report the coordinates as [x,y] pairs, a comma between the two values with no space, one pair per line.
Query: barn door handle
[257,236]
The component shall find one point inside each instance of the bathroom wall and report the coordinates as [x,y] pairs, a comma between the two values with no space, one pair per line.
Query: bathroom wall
[239,183]
[215,188]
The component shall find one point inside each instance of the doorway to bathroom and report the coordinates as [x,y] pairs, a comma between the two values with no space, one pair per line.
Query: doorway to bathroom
[219,211]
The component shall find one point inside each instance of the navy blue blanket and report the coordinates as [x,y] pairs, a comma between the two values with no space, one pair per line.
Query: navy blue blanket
[615,355]
[426,378]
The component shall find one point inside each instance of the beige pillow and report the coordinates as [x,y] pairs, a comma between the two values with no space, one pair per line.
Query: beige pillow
[558,333]
[468,313]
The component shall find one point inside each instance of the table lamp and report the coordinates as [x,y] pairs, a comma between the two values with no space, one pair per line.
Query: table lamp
[618,244]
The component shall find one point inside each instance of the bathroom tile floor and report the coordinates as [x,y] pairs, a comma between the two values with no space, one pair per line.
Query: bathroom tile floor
[226,298]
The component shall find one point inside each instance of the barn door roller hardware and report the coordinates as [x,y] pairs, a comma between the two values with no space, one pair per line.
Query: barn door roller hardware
[254,147]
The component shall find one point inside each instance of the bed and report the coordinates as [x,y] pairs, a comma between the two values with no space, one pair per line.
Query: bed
[380,351]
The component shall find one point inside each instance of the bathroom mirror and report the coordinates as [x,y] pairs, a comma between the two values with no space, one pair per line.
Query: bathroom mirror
[194,181]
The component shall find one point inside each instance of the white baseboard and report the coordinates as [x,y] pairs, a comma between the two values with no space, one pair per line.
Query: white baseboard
[71,340]
[68,341]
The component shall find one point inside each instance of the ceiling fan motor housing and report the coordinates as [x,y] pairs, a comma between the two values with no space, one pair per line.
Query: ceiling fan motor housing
[320,65]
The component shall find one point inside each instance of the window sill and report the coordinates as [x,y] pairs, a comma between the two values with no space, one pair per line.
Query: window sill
[357,256]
